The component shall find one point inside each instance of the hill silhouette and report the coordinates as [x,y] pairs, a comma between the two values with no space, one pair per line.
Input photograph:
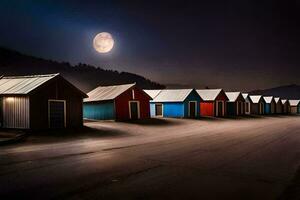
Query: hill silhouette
[287,91]
[86,77]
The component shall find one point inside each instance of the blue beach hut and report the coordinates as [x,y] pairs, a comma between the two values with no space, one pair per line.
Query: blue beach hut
[174,103]
[270,105]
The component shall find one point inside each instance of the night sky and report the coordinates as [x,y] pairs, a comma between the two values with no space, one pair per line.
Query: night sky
[237,45]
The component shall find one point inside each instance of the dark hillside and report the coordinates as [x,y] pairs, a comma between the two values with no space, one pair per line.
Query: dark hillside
[85,77]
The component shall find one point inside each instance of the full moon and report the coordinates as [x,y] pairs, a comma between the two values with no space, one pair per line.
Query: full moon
[103,42]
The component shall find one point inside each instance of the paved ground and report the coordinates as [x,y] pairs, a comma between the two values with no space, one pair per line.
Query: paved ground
[9,137]
[255,158]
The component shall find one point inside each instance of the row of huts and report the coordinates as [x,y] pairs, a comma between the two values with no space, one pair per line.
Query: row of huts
[123,102]
[216,103]
[50,101]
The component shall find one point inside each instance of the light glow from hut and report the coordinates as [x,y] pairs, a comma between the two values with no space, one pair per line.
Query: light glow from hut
[10,99]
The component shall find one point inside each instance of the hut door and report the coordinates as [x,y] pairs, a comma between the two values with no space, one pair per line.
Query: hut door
[220,108]
[261,108]
[57,113]
[192,108]
[241,108]
[134,110]
[247,108]
[158,109]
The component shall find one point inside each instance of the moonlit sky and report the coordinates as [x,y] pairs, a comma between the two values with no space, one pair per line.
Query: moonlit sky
[238,45]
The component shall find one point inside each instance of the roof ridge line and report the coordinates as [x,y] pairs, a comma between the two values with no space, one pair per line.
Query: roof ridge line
[30,76]
[134,83]
[190,91]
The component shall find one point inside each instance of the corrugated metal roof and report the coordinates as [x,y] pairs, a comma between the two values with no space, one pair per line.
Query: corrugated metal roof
[283,101]
[103,93]
[209,94]
[294,102]
[277,99]
[152,93]
[23,84]
[245,95]
[268,99]
[172,95]
[255,98]
[232,96]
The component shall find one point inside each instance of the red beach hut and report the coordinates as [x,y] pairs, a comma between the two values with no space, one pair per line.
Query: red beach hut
[214,102]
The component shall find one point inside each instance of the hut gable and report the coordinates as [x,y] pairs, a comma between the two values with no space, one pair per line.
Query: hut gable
[212,94]
[172,95]
[246,97]
[256,98]
[277,100]
[294,102]
[234,96]
[269,99]
[152,93]
[285,101]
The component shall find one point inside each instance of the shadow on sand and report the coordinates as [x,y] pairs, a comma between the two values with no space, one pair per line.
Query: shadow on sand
[83,132]
[245,117]
[202,118]
[277,115]
[155,122]
[292,190]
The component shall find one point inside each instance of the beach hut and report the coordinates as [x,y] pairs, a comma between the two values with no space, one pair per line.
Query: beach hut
[294,106]
[214,102]
[174,103]
[278,105]
[257,104]
[235,103]
[270,105]
[247,103]
[285,106]
[117,102]
[40,102]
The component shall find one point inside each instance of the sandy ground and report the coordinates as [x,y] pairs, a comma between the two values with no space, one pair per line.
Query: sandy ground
[249,158]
